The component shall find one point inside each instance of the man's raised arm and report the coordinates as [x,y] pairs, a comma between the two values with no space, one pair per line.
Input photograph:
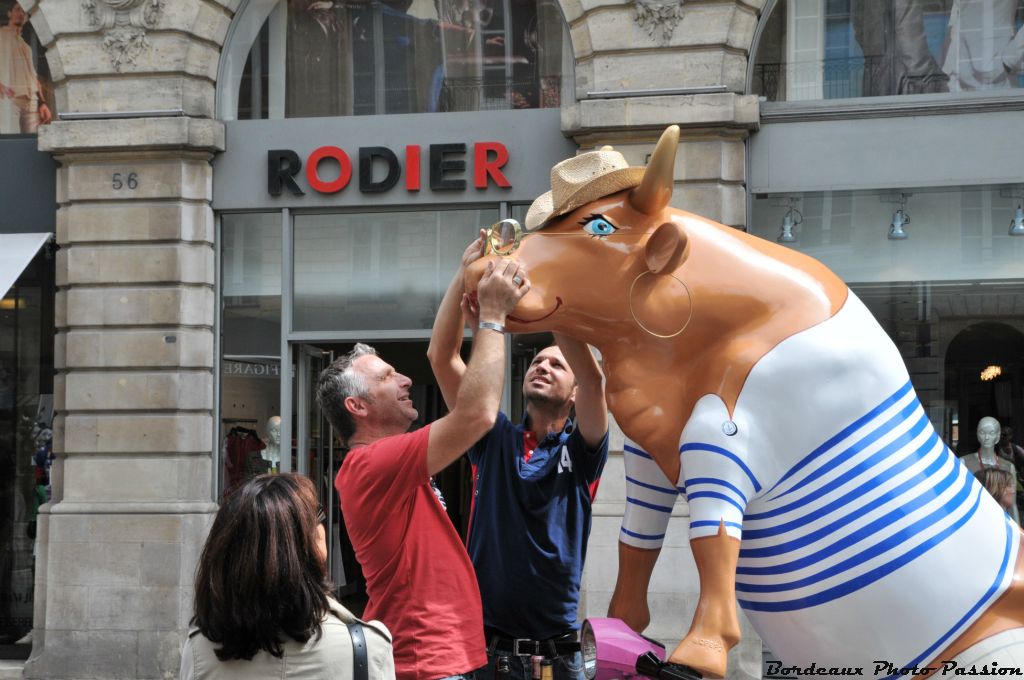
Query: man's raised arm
[591,407]
[479,394]
[446,337]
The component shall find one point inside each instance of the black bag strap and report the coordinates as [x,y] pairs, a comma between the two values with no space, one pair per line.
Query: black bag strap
[360,666]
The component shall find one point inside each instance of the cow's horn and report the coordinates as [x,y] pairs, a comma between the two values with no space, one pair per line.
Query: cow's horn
[655,190]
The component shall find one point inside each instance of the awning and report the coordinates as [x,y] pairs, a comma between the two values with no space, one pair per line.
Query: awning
[16,251]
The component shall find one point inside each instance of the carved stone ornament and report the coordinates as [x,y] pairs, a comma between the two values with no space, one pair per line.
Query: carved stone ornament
[654,16]
[124,24]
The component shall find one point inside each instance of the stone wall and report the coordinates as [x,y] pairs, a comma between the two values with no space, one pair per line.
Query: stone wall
[135,309]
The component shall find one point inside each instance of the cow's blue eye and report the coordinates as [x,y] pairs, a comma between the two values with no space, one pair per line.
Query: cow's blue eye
[598,226]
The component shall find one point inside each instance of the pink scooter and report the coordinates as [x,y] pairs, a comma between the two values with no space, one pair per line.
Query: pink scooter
[612,650]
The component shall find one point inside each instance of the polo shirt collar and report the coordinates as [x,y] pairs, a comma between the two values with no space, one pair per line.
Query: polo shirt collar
[567,429]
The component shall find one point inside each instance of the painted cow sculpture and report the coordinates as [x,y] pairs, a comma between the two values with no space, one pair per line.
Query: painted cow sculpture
[750,379]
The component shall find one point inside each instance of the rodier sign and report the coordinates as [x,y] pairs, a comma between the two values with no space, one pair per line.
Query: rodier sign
[328,169]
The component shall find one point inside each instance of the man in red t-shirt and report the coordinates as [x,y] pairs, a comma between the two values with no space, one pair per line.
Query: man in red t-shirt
[418,576]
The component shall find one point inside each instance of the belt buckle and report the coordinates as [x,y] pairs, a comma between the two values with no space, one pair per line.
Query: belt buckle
[531,645]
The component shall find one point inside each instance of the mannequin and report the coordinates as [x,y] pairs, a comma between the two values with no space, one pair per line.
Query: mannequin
[985,457]
[272,454]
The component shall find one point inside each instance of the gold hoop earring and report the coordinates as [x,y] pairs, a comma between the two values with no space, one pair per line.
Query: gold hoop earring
[640,323]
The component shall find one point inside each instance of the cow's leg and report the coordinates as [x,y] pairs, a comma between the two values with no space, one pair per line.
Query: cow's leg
[718,486]
[629,601]
[715,628]
[649,500]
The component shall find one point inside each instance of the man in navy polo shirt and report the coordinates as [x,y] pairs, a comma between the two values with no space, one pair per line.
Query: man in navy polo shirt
[532,502]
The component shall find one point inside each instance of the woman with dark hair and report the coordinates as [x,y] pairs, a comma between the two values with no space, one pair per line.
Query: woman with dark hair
[262,602]
[1001,485]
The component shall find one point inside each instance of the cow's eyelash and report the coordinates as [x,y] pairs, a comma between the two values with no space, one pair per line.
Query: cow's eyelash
[596,216]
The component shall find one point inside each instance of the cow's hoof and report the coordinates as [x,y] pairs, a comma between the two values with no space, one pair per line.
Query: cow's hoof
[708,655]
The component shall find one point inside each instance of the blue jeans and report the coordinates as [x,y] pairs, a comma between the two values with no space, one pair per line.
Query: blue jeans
[569,667]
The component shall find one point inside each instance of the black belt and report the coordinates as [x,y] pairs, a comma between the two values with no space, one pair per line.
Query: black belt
[560,645]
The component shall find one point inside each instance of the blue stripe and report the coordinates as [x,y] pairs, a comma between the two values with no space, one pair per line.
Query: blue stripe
[885,428]
[717,482]
[652,487]
[879,456]
[713,523]
[711,448]
[715,494]
[859,492]
[876,526]
[867,578]
[926,655]
[636,452]
[652,506]
[849,429]
[645,537]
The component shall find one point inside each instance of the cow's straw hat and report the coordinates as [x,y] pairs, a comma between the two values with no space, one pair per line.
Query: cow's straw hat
[580,180]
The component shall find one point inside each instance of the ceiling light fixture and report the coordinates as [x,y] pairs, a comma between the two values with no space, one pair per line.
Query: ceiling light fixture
[991,372]
[1017,223]
[900,218]
[792,218]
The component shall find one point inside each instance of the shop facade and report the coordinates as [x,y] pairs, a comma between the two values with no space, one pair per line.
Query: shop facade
[27,280]
[230,218]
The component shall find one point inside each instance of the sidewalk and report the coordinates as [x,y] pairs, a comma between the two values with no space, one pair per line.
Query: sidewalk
[11,670]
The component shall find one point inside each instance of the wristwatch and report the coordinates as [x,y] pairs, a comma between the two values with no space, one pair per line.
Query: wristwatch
[490,325]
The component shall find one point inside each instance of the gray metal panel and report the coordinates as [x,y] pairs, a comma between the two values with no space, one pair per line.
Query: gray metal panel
[28,187]
[916,151]
[533,137]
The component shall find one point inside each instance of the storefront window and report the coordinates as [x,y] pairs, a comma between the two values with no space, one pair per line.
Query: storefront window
[378,271]
[953,233]
[344,58]
[26,421]
[251,344]
[950,295]
[812,50]
[26,90]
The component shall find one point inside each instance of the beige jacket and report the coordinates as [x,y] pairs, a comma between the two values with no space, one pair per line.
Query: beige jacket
[330,658]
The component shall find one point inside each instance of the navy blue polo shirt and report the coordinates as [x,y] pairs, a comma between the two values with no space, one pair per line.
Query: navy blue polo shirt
[531,520]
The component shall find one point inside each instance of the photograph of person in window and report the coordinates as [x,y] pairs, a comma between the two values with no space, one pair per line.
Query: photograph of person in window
[23,106]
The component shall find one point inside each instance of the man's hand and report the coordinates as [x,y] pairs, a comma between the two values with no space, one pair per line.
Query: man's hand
[470,312]
[501,288]
[475,250]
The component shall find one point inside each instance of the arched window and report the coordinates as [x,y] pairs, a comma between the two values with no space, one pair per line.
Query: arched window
[308,58]
[836,49]
[26,90]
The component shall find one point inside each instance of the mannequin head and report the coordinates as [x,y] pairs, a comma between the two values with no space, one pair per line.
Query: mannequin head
[44,436]
[988,432]
[274,430]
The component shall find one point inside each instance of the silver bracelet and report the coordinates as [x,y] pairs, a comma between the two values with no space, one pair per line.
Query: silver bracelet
[492,326]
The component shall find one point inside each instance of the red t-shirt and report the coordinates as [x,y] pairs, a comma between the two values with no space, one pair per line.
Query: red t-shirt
[418,576]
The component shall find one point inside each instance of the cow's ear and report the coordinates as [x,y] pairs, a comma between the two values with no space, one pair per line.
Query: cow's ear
[665,248]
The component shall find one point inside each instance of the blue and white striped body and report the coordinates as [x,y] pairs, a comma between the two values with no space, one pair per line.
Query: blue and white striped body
[862,537]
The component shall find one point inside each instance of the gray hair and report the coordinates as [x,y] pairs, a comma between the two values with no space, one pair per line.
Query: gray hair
[338,382]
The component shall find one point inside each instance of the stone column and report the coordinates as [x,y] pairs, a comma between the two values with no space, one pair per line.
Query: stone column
[685,64]
[133,489]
